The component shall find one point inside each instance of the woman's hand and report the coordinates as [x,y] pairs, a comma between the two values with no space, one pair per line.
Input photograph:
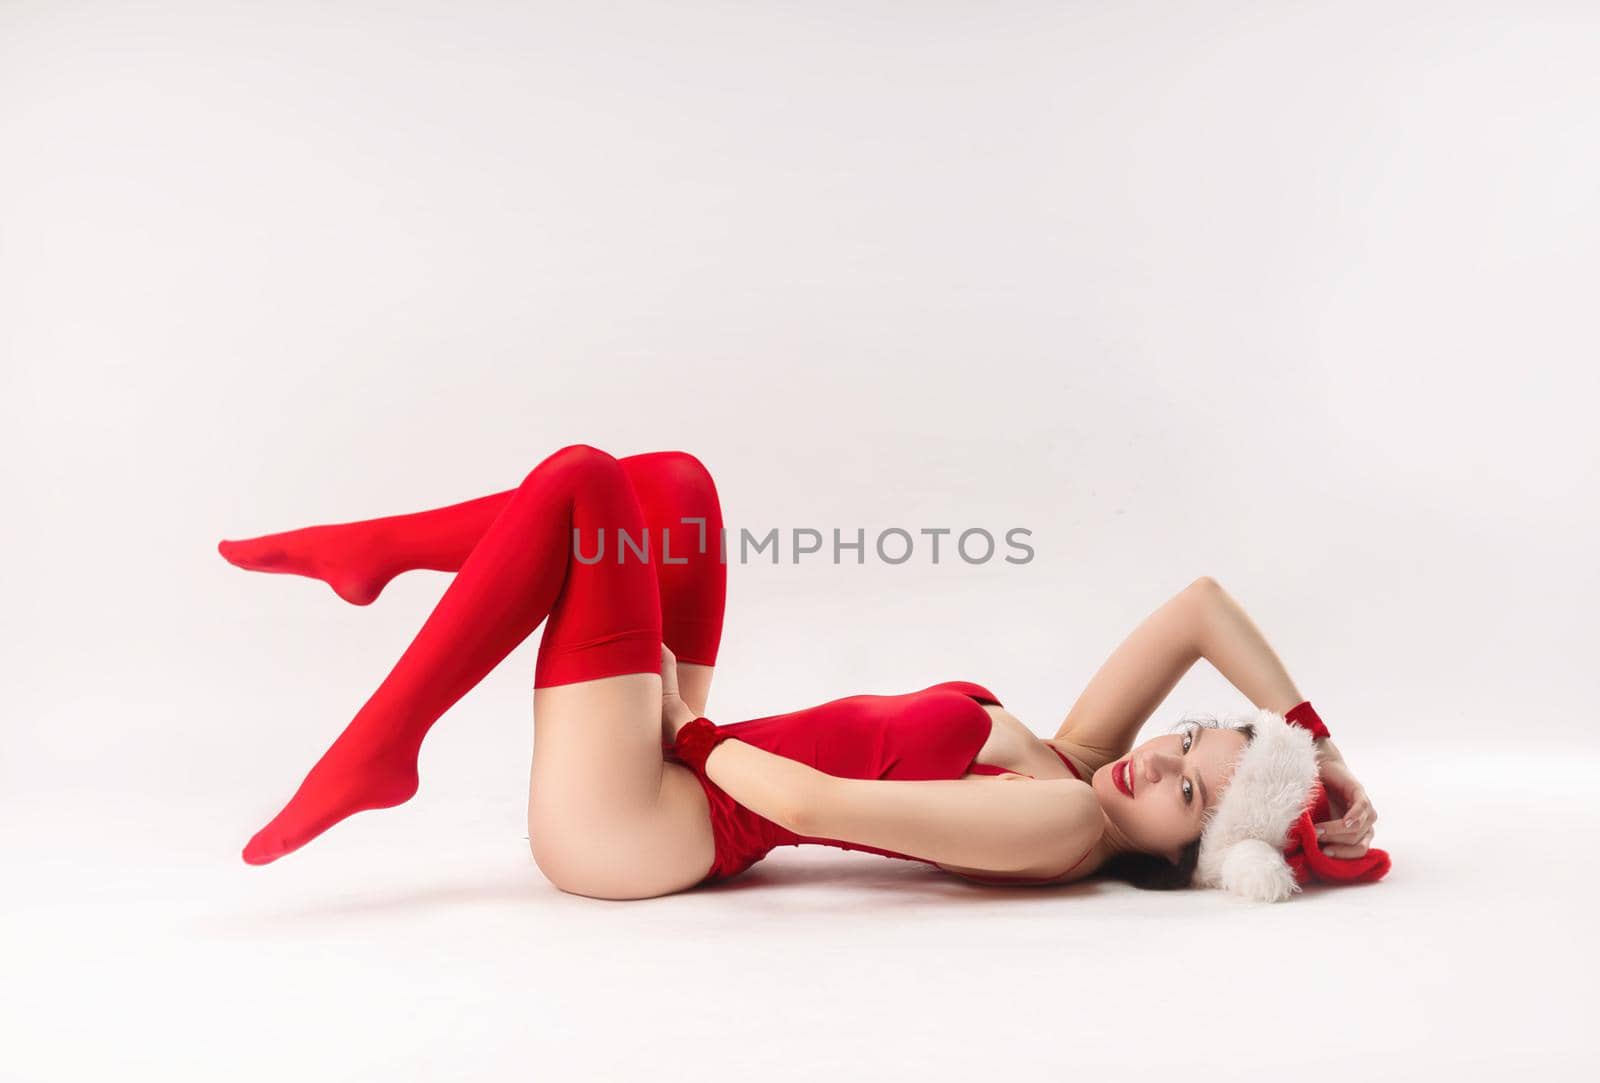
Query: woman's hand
[1349,834]
[675,714]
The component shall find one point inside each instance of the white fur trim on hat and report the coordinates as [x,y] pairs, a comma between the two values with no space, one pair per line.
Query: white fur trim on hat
[1241,848]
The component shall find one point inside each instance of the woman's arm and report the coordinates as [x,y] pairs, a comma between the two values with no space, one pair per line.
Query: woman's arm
[1203,621]
[1008,825]
[1200,621]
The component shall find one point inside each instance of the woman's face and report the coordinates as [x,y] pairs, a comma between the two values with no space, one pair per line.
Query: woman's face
[1158,795]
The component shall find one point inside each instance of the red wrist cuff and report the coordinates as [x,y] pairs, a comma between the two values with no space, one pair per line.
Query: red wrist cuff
[1305,716]
[695,742]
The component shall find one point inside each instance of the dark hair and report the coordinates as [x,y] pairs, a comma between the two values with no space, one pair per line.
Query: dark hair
[1152,872]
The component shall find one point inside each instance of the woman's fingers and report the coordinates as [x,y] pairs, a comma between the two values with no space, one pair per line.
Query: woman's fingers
[1346,850]
[1348,826]
[1358,822]
[1335,831]
[1350,847]
[1349,833]
[1360,815]
[1345,794]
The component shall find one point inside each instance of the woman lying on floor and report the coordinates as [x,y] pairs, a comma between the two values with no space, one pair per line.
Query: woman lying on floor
[636,794]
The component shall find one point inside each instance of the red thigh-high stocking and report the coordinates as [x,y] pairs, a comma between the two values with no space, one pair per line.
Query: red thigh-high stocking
[676,495]
[681,508]
[541,556]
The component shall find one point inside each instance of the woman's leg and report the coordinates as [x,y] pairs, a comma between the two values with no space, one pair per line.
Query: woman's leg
[684,515]
[681,511]
[676,494]
[358,559]
[614,852]
[602,646]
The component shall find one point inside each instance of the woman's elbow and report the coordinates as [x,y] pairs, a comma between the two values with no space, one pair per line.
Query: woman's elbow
[803,810]
[1082,820]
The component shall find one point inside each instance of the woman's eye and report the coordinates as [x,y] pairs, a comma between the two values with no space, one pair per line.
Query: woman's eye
[1188,792]
[1188,739]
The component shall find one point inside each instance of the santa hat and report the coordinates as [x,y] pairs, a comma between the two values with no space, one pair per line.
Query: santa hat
[1261,840]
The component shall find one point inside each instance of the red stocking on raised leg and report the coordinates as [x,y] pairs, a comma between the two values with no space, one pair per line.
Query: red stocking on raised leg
[605,620]
[672,487]
[358,559]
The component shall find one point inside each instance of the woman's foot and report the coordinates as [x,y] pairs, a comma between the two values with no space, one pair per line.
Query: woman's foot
[344,557]
[338,787]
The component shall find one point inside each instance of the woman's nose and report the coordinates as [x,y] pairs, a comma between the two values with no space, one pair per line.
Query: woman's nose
[1153,765]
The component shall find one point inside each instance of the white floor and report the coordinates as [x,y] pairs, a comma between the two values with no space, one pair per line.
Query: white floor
[422,943]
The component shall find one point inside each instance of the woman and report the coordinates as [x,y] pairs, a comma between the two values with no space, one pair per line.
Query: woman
[634,794]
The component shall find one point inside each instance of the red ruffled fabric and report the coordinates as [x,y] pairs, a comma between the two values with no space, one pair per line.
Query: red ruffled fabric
[696,740]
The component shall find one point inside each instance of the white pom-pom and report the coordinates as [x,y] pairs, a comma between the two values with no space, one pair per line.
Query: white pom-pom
[1254,870]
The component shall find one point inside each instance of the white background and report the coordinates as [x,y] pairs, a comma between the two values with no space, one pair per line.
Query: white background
[1299,296]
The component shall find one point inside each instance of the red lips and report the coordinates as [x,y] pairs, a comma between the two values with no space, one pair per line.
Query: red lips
[1122,777]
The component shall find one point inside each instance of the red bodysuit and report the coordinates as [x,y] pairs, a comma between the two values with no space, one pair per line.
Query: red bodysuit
[932,734]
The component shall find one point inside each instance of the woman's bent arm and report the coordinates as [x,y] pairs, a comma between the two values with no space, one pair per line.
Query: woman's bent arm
[766,783]
[1201,621]
[1007,825]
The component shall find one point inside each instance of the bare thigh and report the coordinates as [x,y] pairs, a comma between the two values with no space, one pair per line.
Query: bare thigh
[607,816]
